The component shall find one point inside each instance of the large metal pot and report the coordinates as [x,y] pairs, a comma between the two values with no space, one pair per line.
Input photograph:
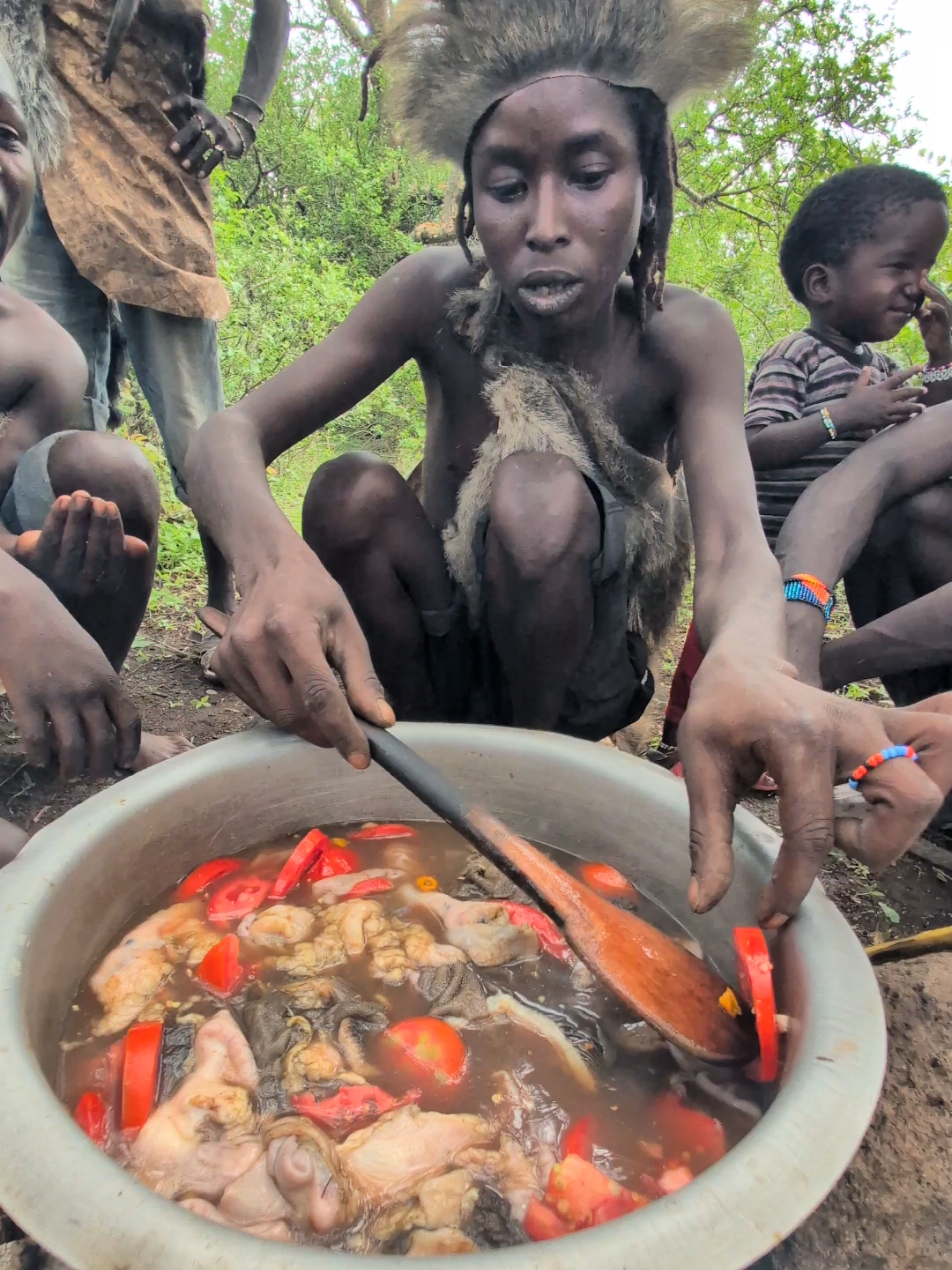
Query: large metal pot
[80,880]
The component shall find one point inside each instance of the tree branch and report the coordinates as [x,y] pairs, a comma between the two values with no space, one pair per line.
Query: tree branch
[348,26]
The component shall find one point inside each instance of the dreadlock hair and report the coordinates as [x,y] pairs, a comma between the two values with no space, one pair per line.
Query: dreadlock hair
[845,211]
[657,153]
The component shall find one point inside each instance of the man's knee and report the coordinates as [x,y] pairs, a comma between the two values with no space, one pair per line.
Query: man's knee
[930,509]
[111,468]
[542,513]
[348,500]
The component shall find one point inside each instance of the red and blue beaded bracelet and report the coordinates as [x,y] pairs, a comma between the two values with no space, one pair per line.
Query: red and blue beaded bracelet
[893,751]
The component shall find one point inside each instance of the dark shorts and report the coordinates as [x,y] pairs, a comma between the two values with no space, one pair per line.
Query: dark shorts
[30,496]
[611,687]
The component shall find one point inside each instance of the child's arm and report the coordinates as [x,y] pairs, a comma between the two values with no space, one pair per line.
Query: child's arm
[831,522]
[747,709]
[42,380]
[779,434]
[294,627]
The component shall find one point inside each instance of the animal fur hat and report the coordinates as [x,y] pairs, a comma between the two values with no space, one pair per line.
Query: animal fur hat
[23,45]
[452,59]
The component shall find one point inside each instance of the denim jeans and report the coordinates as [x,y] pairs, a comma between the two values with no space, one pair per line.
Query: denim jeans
[175,358]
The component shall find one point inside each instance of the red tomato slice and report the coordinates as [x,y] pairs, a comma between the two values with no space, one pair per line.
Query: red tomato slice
[373,832]
[90,1115]
[298,862]
[688,1133]
[369,886]
[219,970]
[579,1139]
[577,1190]
[618,1206]
[428,1049]
[140,1072]
[332,863]
[756,987]
[236,899]
[541,1223]
[351,1106]
[202,877]
[608,882]
[550,937]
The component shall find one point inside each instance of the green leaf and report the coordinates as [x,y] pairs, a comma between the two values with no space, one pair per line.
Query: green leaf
[890,914]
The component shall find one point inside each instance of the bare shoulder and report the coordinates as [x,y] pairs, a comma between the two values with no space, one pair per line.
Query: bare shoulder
[38,358]
[690,321]
[420,286]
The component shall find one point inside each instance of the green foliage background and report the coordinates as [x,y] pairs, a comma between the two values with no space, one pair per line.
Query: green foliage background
[324,205]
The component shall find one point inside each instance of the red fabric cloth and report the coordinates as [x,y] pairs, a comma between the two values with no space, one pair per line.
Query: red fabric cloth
[688,666]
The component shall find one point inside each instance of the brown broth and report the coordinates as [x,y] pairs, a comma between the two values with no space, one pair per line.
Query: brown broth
[620,1106]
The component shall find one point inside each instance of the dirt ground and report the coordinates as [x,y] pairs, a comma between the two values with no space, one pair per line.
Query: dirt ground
[893,1210]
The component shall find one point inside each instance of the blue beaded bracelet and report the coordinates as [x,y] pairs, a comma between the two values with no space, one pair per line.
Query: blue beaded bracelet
[797,590]
[894,751]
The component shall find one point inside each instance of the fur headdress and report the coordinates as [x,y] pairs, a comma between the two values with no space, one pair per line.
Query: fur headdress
[451,60]
[23,45]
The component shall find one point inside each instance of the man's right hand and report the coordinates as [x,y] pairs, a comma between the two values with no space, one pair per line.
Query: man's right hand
[293,629]
[67,699]
[870,408]
[81,549]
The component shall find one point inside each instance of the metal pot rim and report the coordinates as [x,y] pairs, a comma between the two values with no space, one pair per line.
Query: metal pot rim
[86,1210]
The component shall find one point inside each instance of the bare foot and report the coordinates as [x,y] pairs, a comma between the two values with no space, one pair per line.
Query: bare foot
[12,839]
[153,749]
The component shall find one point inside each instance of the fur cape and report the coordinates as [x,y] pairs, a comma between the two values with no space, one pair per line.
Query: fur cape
[23,45]
[450,60]
[548,408]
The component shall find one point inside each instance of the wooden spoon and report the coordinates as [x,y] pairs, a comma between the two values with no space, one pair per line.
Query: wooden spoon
[652,974]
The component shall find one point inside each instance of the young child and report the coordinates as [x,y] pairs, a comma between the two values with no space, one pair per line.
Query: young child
[78,523]
[549,550]
[857,256]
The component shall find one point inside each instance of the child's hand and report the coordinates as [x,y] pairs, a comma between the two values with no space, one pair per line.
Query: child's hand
[81,549]
[869,408]
[935,324]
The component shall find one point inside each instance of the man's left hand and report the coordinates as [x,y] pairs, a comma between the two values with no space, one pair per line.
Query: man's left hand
[744,718]
[202,139]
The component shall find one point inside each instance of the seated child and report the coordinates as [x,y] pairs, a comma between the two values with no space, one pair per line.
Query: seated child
[78,527]
[857,256]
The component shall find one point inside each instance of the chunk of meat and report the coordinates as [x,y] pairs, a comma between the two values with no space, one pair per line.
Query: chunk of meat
[309,959]
[327,890]
[479,928]
[312,1062]
[392,1157]
[277,1230]
[265,1019]
[401,857]
[203,1137]
[454,993]
[253,1198]
[357,921]
[316,994]
[306,1169]
[439,1243]
[504,1008]
[130,975]
[447,1200]
[405,946]
[280,926]
[510,1171]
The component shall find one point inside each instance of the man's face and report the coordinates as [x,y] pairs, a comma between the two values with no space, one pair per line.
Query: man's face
[17,178]
[557,198]
[875,293]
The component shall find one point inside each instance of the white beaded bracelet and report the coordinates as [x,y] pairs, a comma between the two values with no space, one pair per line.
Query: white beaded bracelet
[937,374]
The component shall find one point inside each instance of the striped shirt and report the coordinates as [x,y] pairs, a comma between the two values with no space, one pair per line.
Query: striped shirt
[791,381]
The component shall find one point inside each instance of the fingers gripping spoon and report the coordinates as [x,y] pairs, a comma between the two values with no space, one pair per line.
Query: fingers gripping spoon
[655,977]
